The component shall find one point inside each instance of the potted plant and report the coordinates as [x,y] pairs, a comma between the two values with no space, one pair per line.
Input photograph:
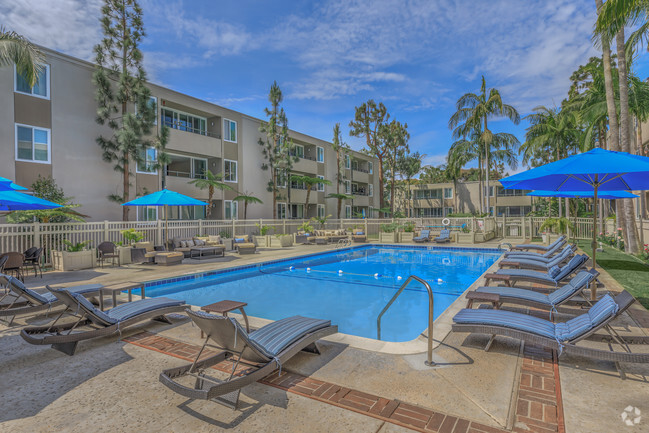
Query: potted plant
[408,232]
[465,236]
[303,232]
[389,233]
[281,241]
[227,240]
[263,239]
[75,257]
[553,227]
[124,249]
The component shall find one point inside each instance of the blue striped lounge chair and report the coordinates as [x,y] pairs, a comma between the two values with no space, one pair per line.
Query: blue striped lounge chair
[18,300]
[444,236]
[553,277]
[562,337]
[545,257]
[533,298]
[265,350]
[93,323]
[560,241]
[520,262]
[424,236]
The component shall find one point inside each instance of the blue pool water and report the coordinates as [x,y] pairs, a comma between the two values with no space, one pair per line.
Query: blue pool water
[351,299]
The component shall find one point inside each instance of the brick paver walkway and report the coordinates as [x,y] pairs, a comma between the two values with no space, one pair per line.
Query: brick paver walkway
[538,406]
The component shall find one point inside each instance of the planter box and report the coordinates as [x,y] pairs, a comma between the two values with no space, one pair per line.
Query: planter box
[391,238]
[465,238]
[484,236]
[281,241]
[124,255]
[66,261]
[406,236]
[262,241]
[228,244]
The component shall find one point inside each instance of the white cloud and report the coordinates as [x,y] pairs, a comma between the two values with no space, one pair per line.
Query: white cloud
[70,26]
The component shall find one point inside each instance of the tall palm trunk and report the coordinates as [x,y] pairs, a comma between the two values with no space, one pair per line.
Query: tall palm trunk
[480,185]
[643,205]
[631,243]
[487,147]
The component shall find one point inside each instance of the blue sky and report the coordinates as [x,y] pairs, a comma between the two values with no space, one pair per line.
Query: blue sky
[416,56]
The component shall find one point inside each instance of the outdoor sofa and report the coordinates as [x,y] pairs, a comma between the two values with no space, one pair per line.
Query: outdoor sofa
[327,236]
[244,245]
[186,244]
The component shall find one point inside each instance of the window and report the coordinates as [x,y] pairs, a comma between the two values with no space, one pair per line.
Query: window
[42,87]
[153,103]
[147,213]
[280,178]
[297,211]
[511,192]
[370,167]
[348,163]
[491,191]
[370,188]
[429,212]
[320,154]
[186,166]
[321,211]
[32,144]
[231,209]
[183,121]
[230,171]
[298,150]
[348,211]
[448,192]
[186,212]
[281,211]
[447,211]
[230,130]
[426,194]
[148,159]
[321,185]
[348,187]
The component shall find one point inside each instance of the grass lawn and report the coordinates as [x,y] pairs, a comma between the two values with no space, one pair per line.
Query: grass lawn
[631,272]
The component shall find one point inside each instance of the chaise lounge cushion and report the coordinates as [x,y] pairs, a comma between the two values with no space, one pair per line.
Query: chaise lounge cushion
[507,319]
[276,336]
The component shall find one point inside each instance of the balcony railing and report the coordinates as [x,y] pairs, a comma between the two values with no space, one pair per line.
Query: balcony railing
[184,127]
[174,173]
[362,170]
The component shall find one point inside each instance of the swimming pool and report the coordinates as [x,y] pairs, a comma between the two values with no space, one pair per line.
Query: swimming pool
[349,286]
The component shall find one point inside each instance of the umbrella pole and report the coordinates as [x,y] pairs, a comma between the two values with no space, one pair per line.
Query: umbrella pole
[166,228]
[593,288]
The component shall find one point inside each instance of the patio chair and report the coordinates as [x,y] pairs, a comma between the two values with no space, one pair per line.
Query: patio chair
[545,257]
[562,337]
[33,258]
[444,236]
[424,236]
[20,301]
[264,350]
[551,278]
[533,298]
[108,250]
[3,261]
[65,337]
[14,264]
[560,241]
[522,263]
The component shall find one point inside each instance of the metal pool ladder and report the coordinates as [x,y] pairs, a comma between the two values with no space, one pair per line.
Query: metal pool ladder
[429,361]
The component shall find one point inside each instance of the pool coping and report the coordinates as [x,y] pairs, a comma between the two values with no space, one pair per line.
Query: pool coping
[441,325]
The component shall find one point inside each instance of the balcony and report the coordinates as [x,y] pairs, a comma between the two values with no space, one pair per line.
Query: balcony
[306,165]
[200,144]
[182,185]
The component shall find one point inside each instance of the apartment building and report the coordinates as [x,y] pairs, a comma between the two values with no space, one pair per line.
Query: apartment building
[50,130]
[441,199]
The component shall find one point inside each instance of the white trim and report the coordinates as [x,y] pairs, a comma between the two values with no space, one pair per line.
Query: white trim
[155,172]
[49,143]
[47,75]
[281,204]
[320,206]
[370,190]
[348,187]
[146,208]
[176,120]
[348,211]
[236,164]
[236,130]
[348,162]
[236,207]
[444,193]
[370,167]
[317,153]
[321,186]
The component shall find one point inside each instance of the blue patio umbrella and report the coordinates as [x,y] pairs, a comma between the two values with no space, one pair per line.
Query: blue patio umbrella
[8,184]
[595,170]
[609,195]
[11,200]
[165,198]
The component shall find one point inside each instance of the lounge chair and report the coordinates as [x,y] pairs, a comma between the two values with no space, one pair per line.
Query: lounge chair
[560,336]
[560,241]
[518,262]
[533,298]
[21,301]
[265,350]
[424,236]
[101,323]
[552,278]
[545,257]
[444,236]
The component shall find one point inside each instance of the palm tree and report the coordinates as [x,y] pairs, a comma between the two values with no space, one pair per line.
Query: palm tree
[14,48]
[475,110]
[211,182]
[409,166]
[340,198]
[552,134]
[309,182]
[247,199]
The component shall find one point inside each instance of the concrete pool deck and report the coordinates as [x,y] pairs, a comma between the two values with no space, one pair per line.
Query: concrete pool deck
[112,385]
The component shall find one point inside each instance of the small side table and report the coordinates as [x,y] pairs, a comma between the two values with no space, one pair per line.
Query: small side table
[224,307]
[114,289]
[493,298]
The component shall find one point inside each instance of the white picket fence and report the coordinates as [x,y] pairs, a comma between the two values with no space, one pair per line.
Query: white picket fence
[50,236]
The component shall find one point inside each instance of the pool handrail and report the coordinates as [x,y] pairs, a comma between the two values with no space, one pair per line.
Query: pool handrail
[429,362]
